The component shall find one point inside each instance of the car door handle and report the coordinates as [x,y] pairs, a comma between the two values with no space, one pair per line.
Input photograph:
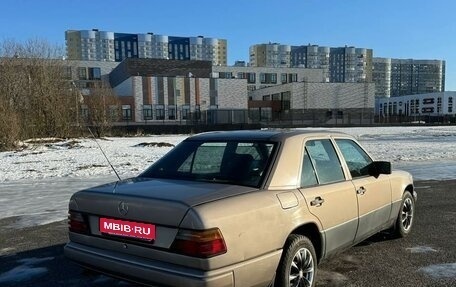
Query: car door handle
[318,201]
[361,190]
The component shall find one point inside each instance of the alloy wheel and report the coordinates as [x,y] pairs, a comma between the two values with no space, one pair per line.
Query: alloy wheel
[302,269]
[407,214]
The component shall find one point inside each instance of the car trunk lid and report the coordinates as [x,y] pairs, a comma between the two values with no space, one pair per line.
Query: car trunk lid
[159,201]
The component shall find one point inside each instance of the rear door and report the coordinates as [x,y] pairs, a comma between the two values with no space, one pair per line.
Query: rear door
[374,194]
[328,194]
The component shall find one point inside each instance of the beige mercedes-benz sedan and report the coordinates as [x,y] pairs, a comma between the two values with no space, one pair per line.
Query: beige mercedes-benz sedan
[240,208]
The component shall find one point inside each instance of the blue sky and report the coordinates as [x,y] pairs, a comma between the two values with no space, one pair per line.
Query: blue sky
[418,29]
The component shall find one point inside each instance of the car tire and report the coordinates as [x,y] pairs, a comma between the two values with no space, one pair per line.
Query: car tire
[298,263]
[406,216]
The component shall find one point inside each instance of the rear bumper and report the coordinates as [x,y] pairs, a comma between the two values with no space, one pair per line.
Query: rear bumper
[156,273]
[133,268]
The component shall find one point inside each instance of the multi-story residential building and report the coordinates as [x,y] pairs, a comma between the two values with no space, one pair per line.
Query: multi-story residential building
[350,65]
[342,64]
[399,77]
[110,46]
[270,55]
[310,56]
[381,76]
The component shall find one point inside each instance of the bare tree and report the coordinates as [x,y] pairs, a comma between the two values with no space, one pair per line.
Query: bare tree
[34,91]
[9,126]
[103,108]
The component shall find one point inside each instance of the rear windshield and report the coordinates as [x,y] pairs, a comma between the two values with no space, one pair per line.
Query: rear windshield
[232,162]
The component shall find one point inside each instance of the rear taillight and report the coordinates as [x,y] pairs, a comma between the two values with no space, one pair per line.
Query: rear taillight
[77,222]
[199,243]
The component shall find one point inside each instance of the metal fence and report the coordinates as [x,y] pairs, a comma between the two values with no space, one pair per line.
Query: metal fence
[265,117]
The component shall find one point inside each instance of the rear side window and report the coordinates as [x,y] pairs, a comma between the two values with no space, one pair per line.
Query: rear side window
[357,160]
[308,176]
[325,161]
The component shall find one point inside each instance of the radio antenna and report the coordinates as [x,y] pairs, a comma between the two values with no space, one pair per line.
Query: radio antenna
[93,136]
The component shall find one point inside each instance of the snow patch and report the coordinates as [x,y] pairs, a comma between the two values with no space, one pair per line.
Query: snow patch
[421,249]
[440,271]
[6,250]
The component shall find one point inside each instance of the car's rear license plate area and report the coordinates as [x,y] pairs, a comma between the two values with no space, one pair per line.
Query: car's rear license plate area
[130,229]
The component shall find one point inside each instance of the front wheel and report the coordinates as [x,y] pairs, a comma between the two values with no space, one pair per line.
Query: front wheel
[406,216]
[298,266]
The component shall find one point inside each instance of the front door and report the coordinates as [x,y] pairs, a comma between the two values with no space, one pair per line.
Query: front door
[374,194]
[329,196]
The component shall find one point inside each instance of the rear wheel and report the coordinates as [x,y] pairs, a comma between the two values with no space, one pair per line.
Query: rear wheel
[298,266]
[406,216]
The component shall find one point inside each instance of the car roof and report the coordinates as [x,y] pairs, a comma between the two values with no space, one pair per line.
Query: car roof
[262,135]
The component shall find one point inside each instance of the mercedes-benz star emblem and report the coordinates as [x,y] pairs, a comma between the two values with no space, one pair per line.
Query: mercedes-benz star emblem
[123,208]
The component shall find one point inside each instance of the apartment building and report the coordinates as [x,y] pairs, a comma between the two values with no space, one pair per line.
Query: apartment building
[399,77]
[341,64]
[270,55]
[98,45]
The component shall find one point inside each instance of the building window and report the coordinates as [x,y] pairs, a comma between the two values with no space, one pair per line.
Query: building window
[225,75]
[172,112]
[251,78]
[114,113]
[67,73]
[185,112]
[82,73]
[292,78]
[197,112]
[147,112]
[94,74]
[286,105]
[84,112]
[126,113]
[273,78]
[263,78]
[283,78]
[160,112]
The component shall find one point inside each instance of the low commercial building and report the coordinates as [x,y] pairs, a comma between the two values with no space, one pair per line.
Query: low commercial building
[263,77]
[325,103]
[172,90]
[416,107]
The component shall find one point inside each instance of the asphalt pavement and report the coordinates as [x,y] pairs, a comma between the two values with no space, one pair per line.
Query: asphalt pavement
[33,256]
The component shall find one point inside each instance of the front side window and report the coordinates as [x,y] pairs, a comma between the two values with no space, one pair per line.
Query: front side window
[356,158]
[325,161]
[241,163]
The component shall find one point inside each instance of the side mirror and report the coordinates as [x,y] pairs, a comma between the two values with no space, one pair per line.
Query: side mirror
[377,168]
